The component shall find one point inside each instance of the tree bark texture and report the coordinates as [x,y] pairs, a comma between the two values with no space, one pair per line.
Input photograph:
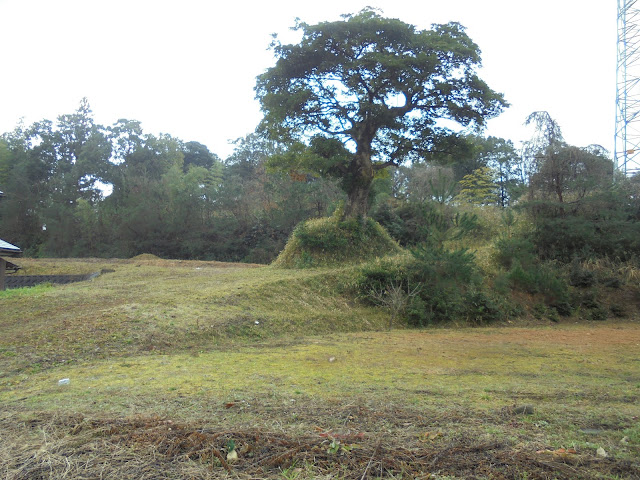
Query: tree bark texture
[359,180]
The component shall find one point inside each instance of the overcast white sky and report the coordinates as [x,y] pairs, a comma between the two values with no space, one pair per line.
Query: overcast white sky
[188,67]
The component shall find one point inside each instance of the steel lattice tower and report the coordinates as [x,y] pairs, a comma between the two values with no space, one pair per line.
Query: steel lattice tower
[627,141]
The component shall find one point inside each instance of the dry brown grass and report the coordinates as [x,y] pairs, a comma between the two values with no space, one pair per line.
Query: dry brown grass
[152,448]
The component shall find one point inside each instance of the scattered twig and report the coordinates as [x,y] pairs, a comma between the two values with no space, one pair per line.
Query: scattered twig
[395,297]
[219,456]
[375,451]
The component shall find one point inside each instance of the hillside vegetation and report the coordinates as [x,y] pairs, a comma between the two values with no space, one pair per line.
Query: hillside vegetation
[448,309]
[172,363]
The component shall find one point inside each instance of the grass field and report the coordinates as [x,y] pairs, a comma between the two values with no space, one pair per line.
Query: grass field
[173,364]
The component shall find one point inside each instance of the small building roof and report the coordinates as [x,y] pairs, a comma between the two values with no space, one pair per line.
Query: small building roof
[9,250]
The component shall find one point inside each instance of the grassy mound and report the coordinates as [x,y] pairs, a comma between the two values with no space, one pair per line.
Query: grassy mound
[331,241]
[145,256]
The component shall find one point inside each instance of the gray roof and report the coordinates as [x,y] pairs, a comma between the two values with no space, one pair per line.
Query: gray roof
[7,249]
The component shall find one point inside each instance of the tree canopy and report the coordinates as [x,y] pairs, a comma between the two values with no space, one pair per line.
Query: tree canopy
[563,171]
[368,92]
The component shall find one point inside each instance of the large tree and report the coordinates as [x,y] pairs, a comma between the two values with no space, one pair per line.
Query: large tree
[369,92]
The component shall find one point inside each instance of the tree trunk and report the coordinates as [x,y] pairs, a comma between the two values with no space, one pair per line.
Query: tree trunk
[357,202]
[359,180]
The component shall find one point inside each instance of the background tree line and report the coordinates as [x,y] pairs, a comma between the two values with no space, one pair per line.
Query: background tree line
[76,188]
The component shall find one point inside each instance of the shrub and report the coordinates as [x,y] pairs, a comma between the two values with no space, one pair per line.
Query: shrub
[618,310]
[413,224]
[450,286]
[521,279]
[408,224]
[579,276]
[600,313]
[378,274]
[604,224]
[542,279]
[516,249]
[481,309]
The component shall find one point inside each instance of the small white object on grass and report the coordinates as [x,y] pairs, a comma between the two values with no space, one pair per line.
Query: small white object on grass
[232,456]
[63,381]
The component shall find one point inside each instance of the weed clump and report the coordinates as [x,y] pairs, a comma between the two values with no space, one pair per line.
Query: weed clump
[334,241]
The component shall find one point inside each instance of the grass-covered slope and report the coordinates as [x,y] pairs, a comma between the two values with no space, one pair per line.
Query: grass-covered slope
[151,305]
[331,241]
[170,363]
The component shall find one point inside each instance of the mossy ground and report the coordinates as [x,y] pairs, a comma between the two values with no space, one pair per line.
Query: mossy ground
[167,364]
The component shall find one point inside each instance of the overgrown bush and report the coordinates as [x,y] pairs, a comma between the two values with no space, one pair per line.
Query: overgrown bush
[481,308]
[450,286]
[542,279]
[407,223]
[604,224]
[412,224]
[515,249]
[580,276]
[527,274]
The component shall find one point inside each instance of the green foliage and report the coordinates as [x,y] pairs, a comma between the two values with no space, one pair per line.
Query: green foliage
[515,249]
[325,157]
[378,274]
[169,198]
[591,305]
[526,273]
[544,280]
[508,220]
[414,223]
[567,173]
[479,187]
[601,225]
[5,161]
[407,223]
[341,86]
[329,239]
[450,286]
[577,209]
[482,308]
[579,276]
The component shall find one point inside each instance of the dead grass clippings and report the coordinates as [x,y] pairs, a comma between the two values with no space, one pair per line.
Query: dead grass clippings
[153,448]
